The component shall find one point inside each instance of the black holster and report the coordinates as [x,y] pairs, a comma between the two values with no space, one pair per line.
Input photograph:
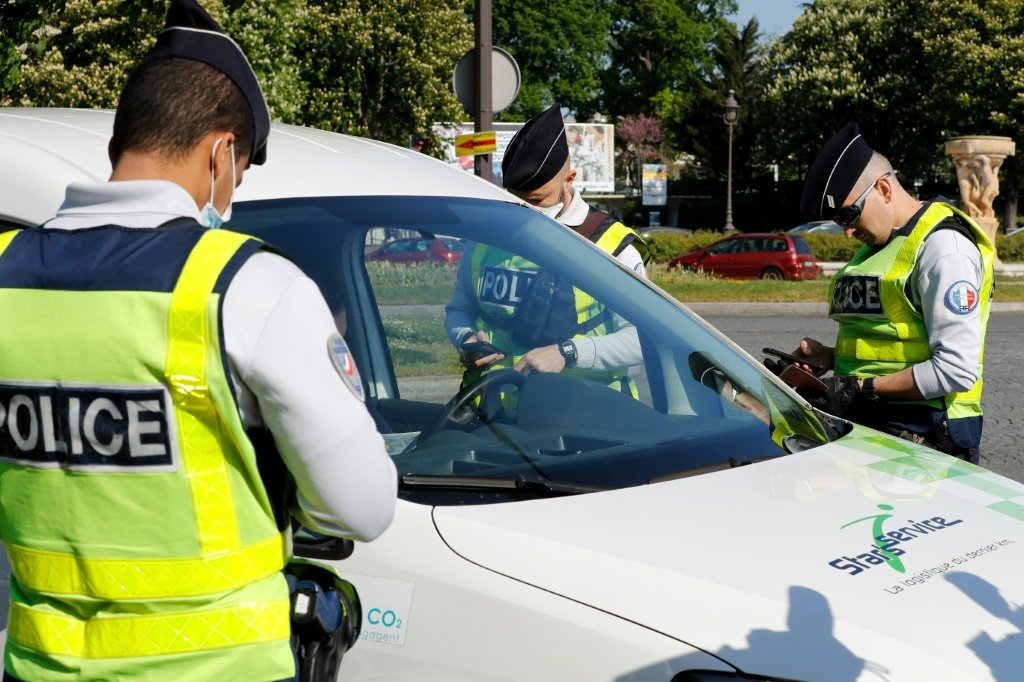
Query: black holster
[326,618]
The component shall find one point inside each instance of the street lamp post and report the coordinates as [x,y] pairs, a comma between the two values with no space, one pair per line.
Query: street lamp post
[732,113]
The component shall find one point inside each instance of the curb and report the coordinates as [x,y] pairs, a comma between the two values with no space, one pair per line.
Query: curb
[769,309]
[709,309]
[1006,269]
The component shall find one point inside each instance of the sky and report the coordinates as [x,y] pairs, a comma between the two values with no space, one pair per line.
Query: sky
[774,16]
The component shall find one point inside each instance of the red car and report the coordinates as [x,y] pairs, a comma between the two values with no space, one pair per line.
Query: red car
[747,256]
[420,249]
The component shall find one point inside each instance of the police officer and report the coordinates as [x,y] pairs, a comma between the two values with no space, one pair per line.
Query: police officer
[536,169]
[912,304]
[137,348]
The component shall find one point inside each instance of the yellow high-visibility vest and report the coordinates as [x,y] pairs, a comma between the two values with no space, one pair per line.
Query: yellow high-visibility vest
[142,541]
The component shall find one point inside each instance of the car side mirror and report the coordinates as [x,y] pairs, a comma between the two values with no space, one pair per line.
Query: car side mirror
[311,545]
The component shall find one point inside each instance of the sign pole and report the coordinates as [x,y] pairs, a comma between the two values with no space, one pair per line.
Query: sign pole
[483,116]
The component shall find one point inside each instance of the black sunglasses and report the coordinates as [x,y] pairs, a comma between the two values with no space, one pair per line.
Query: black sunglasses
[849,215]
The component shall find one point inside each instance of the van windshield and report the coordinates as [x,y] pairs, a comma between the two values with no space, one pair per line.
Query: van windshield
[644,390]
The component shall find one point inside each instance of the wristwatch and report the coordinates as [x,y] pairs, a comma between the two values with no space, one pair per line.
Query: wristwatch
[568,350]
[867,390]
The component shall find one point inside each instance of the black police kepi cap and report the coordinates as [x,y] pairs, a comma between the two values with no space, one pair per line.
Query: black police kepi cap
[536,153]
[834,172]
[191,33]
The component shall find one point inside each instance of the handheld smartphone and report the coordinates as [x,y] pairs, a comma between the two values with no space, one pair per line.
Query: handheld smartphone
[481,348]
[792,359]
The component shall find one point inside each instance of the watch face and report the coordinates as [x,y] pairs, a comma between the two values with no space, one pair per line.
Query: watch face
[568,350]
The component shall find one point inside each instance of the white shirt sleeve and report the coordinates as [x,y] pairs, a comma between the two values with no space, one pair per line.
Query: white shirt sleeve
[618,349]
[947,257]
[276,331]
[462,311]
[621,348]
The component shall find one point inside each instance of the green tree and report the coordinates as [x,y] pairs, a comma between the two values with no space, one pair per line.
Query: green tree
[978,47]
[382,68]
[559,49]
[23,36]
[657,54]
[738,65]
[913,73]
[79,52]
[370,67]
[843,60]
[269,31]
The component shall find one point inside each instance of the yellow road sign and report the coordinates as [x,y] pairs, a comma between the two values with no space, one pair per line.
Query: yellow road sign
[476,143]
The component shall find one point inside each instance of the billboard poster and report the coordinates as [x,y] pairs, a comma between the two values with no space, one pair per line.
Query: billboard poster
[654,181]
[591,151]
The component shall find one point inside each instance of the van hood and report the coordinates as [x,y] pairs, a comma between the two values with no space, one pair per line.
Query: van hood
[869,558]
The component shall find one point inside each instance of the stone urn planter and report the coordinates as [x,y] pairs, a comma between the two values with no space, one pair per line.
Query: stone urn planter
[977,159]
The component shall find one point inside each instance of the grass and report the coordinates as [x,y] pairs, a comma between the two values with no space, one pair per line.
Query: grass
[419,346]
[696,286]
[433,284]
[690,287]
[419,284]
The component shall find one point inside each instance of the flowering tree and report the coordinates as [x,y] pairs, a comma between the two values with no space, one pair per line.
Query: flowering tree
[76,53]
[380,68]
[913,73]
[643,141]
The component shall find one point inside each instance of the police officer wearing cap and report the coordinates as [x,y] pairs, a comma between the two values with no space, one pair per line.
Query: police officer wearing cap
[536,169]
[912,304]
[138,350]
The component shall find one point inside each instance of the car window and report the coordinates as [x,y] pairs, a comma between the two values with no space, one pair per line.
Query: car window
[728,246]
[399,246]
[778,245]
[802,246]
[662,395]
[754,244]
[453,244]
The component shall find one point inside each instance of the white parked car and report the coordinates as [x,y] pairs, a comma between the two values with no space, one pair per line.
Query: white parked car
[817,227]
[714,528]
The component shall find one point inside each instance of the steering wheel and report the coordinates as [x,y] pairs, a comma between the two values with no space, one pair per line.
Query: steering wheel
[461,413]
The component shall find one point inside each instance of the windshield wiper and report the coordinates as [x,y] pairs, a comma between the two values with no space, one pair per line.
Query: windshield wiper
[518,483]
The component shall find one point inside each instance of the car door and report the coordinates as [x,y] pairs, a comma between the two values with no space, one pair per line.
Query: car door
[749,258]
[720,258]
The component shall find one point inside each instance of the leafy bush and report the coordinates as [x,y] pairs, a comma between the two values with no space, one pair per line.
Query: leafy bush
[412,274]
[832,247]
[837,248]
[1010,249]
[827,247]
[665,247]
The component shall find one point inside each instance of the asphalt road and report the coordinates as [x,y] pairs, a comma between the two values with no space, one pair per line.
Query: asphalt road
[781,325]
[1002,445]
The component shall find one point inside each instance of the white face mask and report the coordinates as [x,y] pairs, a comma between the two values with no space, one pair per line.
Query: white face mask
[552,211]
[210,216]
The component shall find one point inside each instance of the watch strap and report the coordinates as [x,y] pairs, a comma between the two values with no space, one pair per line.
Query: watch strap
[867,389]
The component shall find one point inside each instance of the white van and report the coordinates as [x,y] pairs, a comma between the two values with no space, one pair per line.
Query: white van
[712,527]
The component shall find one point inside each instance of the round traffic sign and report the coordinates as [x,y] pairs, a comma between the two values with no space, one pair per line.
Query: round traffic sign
[505,79]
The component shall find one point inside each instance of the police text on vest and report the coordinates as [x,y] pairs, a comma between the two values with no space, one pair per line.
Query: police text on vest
[504,286]
[49,425]
[856,295]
